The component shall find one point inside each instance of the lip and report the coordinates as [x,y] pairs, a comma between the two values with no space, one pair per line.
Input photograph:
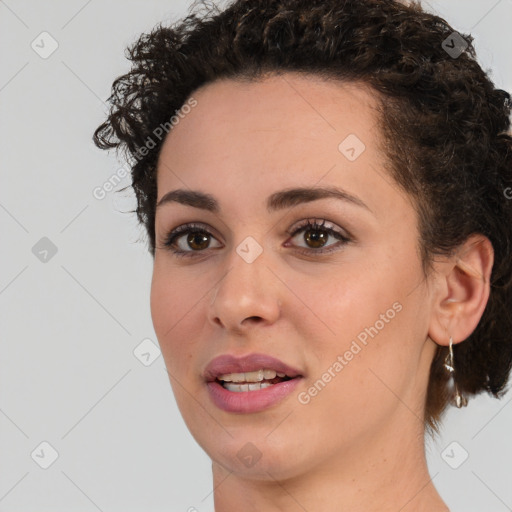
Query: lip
[249,401]
[228,363]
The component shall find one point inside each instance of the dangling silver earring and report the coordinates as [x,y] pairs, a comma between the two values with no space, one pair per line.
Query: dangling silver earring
[458,399]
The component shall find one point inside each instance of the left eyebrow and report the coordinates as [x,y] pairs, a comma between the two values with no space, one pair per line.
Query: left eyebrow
[294,196]
[275,202]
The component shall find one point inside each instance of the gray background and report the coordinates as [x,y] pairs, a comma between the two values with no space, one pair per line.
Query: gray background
[70,325]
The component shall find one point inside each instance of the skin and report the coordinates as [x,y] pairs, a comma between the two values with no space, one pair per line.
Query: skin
[358,445]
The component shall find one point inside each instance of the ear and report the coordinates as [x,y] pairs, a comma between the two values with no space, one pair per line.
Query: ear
[462,291]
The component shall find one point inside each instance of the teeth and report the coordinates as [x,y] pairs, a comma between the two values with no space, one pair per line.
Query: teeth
[232,377]
[246,387]
[256,376]
[269,374]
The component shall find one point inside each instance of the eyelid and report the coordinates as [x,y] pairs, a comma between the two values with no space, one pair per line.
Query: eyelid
[320,223]
[170,236]
[313,223]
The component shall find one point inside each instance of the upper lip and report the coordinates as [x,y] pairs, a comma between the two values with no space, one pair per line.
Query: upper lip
[228,363]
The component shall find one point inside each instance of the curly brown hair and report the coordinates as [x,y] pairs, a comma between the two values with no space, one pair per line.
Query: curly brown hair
[446,127]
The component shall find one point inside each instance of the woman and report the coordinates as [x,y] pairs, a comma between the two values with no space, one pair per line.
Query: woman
[324,187]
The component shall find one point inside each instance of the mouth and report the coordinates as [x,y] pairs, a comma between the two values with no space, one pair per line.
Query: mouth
[252,381]
[249,369]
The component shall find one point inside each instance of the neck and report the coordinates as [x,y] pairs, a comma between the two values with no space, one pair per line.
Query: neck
[382,474]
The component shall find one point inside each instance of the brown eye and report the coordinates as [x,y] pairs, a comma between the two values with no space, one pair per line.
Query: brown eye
[316,236]
[197,240]
[188,240]
[194,239]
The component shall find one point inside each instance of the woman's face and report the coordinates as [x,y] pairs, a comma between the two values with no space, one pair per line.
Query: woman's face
[352,321]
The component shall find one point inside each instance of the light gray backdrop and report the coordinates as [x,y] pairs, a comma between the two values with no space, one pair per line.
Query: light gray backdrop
[79,394]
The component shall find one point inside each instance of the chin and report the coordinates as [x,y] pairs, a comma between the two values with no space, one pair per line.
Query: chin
[256,459]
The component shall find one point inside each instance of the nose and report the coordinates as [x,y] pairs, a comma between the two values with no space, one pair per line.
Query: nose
[247,294]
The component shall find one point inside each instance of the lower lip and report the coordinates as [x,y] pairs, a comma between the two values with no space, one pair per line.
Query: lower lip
[251,401]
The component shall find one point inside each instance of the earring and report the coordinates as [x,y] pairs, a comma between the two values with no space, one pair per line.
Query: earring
[458,399]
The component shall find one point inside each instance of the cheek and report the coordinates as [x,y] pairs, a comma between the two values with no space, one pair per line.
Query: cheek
[370,318]
[344,307]
[175,323]
[353,385]
[172,303]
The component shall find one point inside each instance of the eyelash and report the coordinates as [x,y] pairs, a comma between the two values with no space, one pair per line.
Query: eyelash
[313,225]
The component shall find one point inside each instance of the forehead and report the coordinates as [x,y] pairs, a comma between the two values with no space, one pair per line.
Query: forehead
[252,138]
[289,116]
[279,100]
